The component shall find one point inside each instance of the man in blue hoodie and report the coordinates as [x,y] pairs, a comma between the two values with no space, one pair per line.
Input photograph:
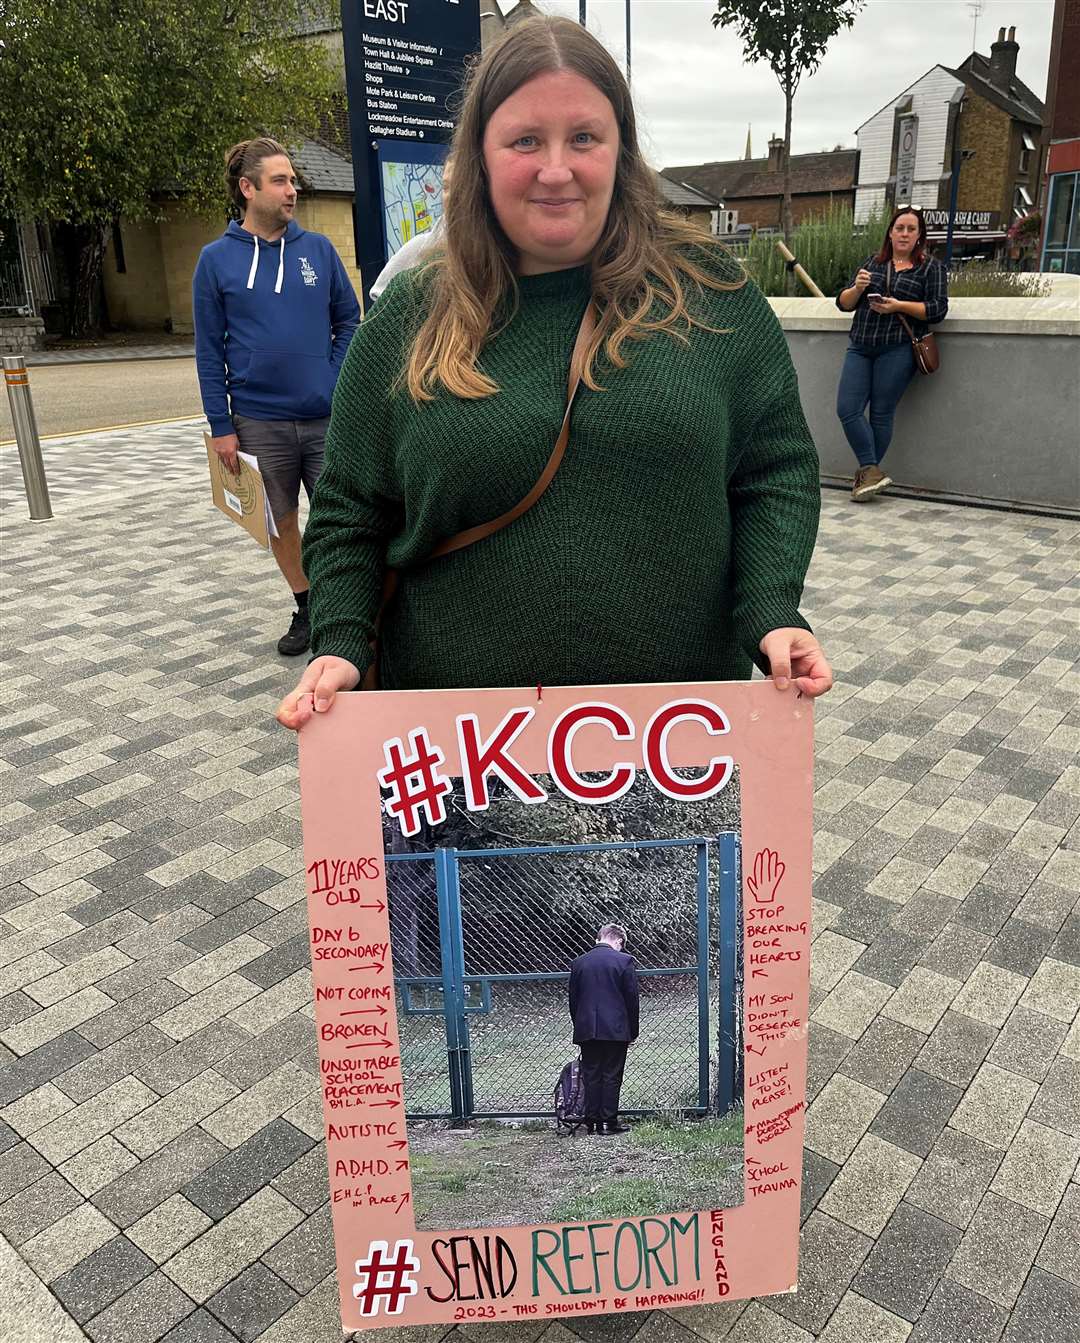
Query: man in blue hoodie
[274,313]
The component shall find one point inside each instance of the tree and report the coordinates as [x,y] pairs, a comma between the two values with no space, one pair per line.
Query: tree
[790,36]
[109,106]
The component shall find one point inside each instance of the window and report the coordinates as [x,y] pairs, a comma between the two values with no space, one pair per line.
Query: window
[1061,250]
[1027,148]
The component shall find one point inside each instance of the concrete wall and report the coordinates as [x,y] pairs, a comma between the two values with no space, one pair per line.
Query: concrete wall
[137,298]
[331,215]
[998,421]
[183,236]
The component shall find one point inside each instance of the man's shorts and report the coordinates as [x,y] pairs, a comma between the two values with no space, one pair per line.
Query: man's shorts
[288,452]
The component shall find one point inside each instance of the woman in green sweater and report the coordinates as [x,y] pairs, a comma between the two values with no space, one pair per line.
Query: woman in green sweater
[673,541]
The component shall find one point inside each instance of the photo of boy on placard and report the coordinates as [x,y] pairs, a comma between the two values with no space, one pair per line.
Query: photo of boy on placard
[589,940]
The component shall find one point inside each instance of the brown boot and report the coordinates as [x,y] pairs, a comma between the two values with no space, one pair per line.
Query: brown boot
[869,480]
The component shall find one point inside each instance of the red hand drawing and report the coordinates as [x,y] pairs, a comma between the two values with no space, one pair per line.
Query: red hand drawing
[766,877]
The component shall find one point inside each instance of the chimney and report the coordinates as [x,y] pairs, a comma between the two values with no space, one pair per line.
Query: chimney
[776,154]
[1003,55]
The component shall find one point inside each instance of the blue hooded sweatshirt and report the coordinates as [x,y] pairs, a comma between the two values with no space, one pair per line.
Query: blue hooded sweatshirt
[272,324]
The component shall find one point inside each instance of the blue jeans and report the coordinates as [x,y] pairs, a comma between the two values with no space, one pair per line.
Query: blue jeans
[878,374]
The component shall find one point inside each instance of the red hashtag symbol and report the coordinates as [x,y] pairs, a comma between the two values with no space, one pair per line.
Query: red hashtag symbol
[414,781]
[384,1279]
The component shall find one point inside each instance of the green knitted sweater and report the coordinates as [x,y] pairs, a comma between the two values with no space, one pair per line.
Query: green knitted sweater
[676,533]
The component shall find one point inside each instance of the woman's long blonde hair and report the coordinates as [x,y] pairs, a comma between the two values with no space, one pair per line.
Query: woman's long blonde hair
[640,265]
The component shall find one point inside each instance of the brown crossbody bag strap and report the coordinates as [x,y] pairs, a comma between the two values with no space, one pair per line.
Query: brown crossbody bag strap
[471,535]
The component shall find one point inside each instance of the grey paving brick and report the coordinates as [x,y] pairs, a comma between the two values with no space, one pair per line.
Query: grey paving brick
[956,1049]
[1058,1101]
[906,1262]
[86,941]
[46,1025]
[1060,1252]
[36,1207]
[225,927]
[68,1240]
[143,1314]
[278,964]
[256,1058]
[148,972]
[987,909]
[158,1124]
[1037,1167]
[111,1065]
[955,1315]
[956,950]
[1028,1044]
[954,1177]
[267,1155]
[147,1005]
[873,1181]
[994,1105]
[101,1278]
[95,1118]
[883,1054]
[1020,946]
[1047,1311]
[826,1050]
[917,1110]
[998,1248]
[839,1117]
[131,1195]
[166,1229]
[97,1165]
[177,1063]
[219,1254]
[305,1256]
[892,955]
[306,1182]
[252,1302]
[201,1327]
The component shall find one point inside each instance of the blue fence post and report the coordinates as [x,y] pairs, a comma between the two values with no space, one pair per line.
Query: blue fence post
[453,990]
[729,898]
[703,949]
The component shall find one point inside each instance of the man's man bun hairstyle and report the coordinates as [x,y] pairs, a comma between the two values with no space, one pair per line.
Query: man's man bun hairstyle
[244,160]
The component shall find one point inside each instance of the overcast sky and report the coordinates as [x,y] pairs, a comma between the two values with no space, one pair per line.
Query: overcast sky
[694,95]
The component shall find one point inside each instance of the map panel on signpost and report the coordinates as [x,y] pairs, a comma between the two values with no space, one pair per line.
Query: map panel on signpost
[412,191]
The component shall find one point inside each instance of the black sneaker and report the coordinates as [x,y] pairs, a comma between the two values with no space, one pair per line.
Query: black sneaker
[297,637]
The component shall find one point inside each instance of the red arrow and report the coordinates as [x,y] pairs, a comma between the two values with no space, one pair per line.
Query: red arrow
[751,1050]
[377,966]
[365,1012]
[758,974]
[384,1043]
[400,1145]
[405,1198]
[380,906]
[376,1104]
[402,1165]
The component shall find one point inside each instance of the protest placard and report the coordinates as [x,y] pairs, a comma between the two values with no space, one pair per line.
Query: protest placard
[467,855]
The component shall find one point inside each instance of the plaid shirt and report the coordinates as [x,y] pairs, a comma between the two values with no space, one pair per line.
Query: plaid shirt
[928,283]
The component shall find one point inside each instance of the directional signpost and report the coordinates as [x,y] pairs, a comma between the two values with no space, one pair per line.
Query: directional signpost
[404,67]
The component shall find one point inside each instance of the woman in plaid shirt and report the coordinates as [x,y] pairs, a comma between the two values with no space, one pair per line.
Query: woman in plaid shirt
[879,364]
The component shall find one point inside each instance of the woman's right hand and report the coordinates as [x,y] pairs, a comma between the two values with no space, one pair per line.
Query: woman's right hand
[322,680]
[862,280]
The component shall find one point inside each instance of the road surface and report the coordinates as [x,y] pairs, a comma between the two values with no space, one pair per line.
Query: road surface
[69,398]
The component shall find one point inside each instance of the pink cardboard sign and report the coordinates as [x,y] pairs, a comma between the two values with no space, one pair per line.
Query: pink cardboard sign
[527,1117]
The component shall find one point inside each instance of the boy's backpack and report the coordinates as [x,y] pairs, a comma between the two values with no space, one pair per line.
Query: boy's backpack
[570,1098]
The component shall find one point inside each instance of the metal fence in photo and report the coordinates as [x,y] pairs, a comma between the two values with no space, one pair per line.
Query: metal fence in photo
[482,944]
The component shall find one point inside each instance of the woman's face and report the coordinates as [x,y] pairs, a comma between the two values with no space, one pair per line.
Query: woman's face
[550,151]
[904,234]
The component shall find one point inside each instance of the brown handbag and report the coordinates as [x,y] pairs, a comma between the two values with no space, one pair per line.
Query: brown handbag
[483,530]
[925,348]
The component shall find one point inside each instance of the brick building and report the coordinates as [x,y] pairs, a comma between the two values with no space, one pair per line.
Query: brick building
[979,116]
[754,188]
[1061,190]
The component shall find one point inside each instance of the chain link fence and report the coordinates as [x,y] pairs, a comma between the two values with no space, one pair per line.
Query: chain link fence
[482,944]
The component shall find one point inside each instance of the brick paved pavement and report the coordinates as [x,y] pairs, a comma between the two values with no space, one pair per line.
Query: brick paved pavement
[160,1163]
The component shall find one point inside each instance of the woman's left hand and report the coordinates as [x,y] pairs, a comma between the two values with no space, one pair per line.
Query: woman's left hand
[796,657]
[885,303]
